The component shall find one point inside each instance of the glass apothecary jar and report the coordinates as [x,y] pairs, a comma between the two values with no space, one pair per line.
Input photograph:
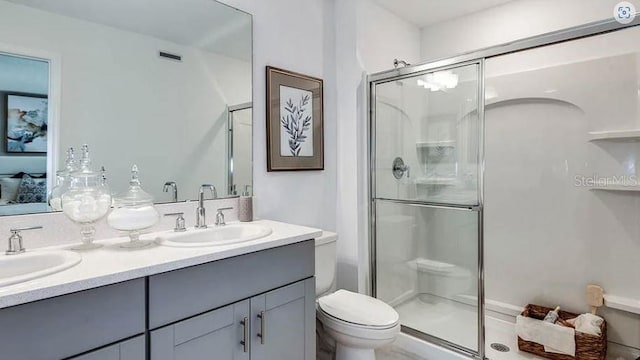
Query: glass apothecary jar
[87,200]
[133,212]
[63,181]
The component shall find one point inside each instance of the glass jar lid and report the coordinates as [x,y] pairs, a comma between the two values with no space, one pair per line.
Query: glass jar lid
[134,195]
[84,176]
[69,164]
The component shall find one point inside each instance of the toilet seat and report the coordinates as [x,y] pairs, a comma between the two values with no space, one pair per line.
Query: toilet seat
[358,310]
[354,331]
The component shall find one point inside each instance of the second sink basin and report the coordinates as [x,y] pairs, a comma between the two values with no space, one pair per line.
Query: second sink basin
[32,265]
[221,235]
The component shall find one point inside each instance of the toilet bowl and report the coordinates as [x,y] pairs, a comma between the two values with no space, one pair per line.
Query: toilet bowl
[357,323]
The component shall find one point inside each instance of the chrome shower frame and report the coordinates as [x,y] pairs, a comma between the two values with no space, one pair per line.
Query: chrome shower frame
[476,57]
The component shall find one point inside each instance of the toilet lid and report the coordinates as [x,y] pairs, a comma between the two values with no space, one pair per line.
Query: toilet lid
[358,309]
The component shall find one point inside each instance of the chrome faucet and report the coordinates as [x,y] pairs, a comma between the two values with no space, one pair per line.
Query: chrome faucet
[174,187]
[220,216]
[15,240]
[201,219]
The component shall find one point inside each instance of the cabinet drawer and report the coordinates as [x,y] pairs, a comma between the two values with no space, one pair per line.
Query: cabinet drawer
[183,293]
[133,349]
[64,326]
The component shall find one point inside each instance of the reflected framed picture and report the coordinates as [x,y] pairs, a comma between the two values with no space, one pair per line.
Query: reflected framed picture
[26,123]
[295,121]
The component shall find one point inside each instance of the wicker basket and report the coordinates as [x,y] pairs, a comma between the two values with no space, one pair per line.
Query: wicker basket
[588,347]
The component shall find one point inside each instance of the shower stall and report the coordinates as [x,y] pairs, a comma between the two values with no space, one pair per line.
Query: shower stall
[487,191]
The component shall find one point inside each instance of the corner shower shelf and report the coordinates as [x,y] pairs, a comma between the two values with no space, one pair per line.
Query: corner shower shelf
[616,188]
[615,135]
[441,143]
[621,303]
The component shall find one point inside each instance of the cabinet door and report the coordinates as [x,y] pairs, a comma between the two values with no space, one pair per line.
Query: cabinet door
[133,349]
[218,334]
[283,323]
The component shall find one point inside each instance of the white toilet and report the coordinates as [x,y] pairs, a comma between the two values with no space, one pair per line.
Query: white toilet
[358,323]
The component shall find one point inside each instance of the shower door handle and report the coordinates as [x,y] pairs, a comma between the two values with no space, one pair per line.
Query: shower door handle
[399,168]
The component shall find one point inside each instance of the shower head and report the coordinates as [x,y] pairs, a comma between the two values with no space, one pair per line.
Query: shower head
[397,63]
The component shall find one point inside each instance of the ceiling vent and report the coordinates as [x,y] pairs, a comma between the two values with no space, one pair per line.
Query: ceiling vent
[170,56]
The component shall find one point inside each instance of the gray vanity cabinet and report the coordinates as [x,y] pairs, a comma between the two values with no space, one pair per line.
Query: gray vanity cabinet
[256,306]
[66,326]
[218,334]
[275,325]
[282,323]
[133,349]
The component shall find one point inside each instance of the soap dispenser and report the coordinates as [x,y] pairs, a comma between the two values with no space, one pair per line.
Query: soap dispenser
[245,205]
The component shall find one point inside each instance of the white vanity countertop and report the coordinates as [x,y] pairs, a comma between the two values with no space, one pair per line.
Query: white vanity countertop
[112,264]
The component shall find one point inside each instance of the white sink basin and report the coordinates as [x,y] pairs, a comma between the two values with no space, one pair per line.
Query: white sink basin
[32,265]
[213,236]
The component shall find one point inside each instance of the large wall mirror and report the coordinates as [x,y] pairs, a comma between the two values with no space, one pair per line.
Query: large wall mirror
[165,85]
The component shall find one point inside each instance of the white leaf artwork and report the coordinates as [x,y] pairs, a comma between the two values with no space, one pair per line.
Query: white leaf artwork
[296,122]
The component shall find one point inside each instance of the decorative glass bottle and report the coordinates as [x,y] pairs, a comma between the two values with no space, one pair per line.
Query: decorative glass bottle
[133,212]
[63,180]
[87,200]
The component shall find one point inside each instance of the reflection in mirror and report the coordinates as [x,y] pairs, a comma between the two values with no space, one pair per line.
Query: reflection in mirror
[157,89]
[240,150]
[24,88]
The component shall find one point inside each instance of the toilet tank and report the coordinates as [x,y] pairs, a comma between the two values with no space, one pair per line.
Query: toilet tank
[326,262]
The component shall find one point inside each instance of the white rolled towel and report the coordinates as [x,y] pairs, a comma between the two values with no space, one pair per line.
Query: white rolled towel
[588,324]
[555,338]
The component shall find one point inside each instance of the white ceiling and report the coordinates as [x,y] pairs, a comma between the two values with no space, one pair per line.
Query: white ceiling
[204,24]
[426,12]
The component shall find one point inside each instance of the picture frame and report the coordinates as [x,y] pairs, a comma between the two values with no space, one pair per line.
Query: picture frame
[295,121]
[26,123]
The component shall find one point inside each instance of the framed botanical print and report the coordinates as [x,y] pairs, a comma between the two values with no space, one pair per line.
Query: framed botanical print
[295,121]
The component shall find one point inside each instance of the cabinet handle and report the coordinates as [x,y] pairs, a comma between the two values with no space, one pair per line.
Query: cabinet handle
[245,336]
[263,321]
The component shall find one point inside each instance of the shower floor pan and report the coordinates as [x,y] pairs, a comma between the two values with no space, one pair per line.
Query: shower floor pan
[456,322]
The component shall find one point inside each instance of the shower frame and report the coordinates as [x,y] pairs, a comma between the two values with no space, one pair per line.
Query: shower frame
[476,57]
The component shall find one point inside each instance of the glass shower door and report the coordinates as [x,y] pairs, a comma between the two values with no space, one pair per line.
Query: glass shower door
[426,202]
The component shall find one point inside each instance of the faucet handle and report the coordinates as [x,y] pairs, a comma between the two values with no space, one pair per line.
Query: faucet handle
[180,223]
[220,216]
[17,230]
[15,240]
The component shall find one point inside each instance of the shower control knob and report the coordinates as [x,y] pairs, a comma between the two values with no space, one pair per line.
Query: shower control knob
[399,168]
